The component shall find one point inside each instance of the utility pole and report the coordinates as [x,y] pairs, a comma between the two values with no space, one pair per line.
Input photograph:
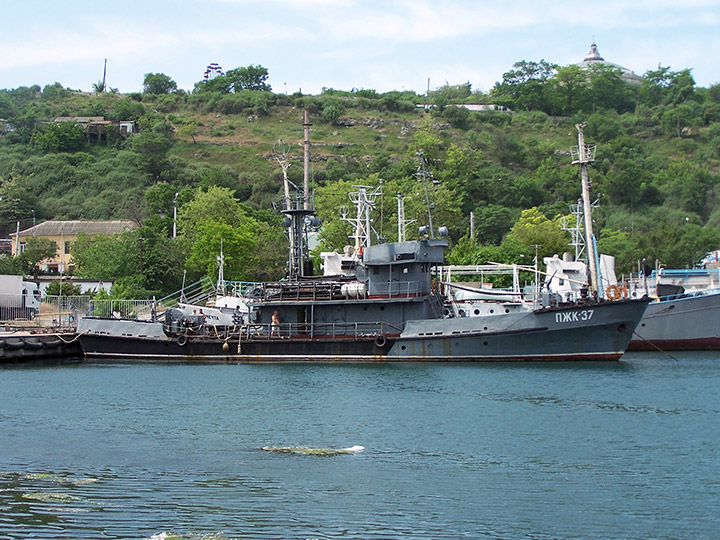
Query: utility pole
[104,75]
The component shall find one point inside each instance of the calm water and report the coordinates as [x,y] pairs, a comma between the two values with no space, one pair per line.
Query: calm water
[561,451]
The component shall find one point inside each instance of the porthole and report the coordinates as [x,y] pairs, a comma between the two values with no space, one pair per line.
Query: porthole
[485,343]
[492,311]
[403,347]
[477,312]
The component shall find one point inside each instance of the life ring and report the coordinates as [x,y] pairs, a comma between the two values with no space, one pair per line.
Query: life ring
[623,291]
[380,341]
[613,292]
[182,340]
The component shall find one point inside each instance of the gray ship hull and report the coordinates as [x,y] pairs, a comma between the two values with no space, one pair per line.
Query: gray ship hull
[588,332]
[686,323]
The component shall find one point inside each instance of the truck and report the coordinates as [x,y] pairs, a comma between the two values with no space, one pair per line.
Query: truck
[19,299]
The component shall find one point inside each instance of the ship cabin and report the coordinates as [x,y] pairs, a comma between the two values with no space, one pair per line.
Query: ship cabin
[391,284]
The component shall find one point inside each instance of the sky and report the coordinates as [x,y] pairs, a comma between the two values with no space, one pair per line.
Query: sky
[308,45]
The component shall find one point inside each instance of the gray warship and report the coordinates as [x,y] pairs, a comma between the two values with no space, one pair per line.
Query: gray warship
[384,304]
[374,303]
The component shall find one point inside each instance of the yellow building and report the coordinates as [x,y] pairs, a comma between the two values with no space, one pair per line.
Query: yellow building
[64,233]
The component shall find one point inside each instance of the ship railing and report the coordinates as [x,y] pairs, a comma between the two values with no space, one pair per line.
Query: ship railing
[355,330]
[302,290]
[693,281]
[337,290]
[399,288]
[296,203]
[237,288]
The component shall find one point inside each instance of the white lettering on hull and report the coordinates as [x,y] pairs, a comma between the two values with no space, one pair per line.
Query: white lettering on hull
[574,316]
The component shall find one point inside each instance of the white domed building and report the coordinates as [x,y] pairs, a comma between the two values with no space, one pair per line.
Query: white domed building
[593,58]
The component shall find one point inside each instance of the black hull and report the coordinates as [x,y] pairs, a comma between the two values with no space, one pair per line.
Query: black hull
[220,351]
[567,333]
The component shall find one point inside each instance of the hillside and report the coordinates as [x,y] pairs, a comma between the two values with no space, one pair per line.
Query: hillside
[655,175]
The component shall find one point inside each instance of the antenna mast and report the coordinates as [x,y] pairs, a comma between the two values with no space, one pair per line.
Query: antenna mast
[402,222]
[424,175]
[583,155]
[306,160]
[364,201]
[298,212]
[221,271]
[280,151]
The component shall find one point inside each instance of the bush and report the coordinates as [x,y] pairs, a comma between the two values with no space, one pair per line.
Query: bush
[457,116]
[331,112]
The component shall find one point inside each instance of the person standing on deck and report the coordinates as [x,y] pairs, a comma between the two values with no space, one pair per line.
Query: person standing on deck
[275,327]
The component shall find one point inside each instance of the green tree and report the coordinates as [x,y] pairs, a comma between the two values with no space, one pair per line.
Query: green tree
[13,266]
[255,249]
[622,246]
[665,87]
[127,109]
[141,263]
[59,137]
[189,130]
[64,288]
[158,83]
[457,116]
[236,80]
[534,229]
[152,149]
[215,204]
[249,78]
[37,250]
[568,90]
[492,222]
[608,90]
[103,257]
[526,85]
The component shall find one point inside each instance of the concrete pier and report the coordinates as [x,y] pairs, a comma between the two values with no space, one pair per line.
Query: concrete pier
[44,345]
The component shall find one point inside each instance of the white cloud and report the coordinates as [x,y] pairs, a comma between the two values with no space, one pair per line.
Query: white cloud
[369,43]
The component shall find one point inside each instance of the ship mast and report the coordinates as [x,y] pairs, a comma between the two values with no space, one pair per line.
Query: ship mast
[402,222]
[306,160]
[583,155]
[298,210]
[364,200]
